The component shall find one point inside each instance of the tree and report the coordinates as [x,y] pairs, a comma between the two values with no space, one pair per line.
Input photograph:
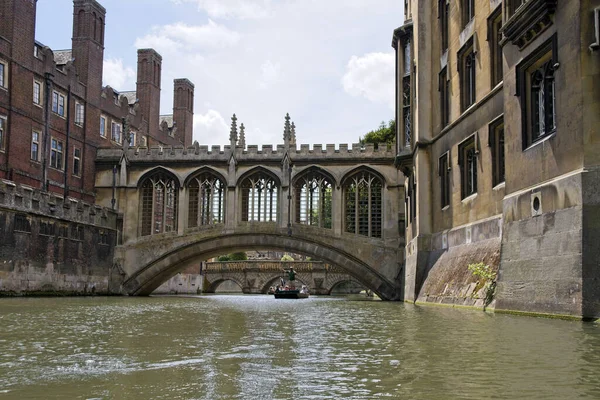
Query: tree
[384,134]
[287,257]
[238,256]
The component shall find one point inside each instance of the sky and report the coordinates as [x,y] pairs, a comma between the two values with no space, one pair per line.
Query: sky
[328,63]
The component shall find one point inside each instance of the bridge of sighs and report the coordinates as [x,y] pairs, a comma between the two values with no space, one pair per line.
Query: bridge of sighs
[179,206]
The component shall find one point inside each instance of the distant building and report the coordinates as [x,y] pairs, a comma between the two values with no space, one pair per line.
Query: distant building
[498,116]
[55,113]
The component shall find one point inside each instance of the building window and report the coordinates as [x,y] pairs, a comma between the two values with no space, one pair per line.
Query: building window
[56,154]
[103,127]
[467,66]
[159,204]
[46,228]
[3,80]
[132,140]
[2,131]
[468,11]
[116,99]
[116,132]
[77,232]
[206,204]
[144,141]
[444,88]
[35,146]
[37,93]
[536,87]
[363,204]
[103,237]
[76,162]
[58,104]
[496,141]
[313,195]
[444,172]
[22,224]
[467,160]
[259,198]
[494,37]
[443,12]
[79,114]
[406,96]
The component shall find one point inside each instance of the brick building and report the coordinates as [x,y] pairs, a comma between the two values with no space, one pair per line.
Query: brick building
[498,116]
[55,113]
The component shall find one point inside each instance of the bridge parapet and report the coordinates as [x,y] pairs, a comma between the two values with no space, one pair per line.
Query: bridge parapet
[252,152]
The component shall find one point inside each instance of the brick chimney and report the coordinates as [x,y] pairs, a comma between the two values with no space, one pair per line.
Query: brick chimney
[17,25]
[183,109]
[148,88]
[88,45]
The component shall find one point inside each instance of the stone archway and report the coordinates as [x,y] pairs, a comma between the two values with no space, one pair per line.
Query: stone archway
[148,277]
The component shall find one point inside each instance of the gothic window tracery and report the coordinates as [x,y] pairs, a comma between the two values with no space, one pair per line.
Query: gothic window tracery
[363,204]
[313,193]
[206,200]
[159,204]
[259,198]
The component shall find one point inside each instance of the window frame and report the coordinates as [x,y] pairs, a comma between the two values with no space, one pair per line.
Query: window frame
[545,55]
[444,174]
[467,146]
[76,162]
[112,132]
[514,5]
[3,131]
[37,143]
[494,38]
[444,89]
[103,131]
[444,17]
[79,119]
[3,74]
[496,142]
[40,92]
[58,103]
[468,76]
[58,164]
[467,11]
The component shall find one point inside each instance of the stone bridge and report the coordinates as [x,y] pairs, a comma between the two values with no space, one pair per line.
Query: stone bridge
[179,206]
[256,276]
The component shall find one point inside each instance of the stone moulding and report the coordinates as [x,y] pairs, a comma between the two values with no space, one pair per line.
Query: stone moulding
[528,22]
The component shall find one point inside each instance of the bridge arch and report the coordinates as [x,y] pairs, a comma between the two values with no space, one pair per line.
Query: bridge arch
[145,279]
[158,170]
[212,288]
[259,170]
[357,170]
[204,169]
[314,168]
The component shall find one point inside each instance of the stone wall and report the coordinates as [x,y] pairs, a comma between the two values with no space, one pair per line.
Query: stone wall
[53,246]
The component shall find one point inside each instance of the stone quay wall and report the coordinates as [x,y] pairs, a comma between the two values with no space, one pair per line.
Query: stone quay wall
[50,245]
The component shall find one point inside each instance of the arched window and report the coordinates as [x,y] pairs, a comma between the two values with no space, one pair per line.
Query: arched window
[159,204]
[206,202]
[95,26]
[543,117]
[363,192]
[81,22]
[313,193]
[259,198]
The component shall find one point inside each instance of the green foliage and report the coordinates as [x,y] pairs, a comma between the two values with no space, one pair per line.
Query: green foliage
[287,257]
[487,277]
[233,257]
[238,256]
[384,134]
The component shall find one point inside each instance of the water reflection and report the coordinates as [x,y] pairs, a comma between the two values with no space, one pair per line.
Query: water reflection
[235,346]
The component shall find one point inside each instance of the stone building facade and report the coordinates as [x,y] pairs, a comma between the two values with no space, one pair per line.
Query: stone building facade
[55,113]
[498,115]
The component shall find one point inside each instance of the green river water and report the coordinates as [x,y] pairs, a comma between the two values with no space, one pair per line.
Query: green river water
[256,347]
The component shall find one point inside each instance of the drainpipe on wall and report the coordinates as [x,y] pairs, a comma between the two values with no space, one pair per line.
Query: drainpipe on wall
[66,169]
[46,136]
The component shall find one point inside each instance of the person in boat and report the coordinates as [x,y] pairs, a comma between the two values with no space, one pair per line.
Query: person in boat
[292,278]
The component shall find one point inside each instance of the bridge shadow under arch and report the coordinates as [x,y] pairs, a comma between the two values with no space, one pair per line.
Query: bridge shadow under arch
[150,276]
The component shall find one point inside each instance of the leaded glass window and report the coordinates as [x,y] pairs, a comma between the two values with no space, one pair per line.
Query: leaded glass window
[313,193]
[206,205]
[363,204]
[159,204]
[259,198]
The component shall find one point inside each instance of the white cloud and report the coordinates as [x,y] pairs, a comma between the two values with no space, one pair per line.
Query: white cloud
[242,9]
[270,73]
[117,75]
[210,128]
[183,37]
[371,76]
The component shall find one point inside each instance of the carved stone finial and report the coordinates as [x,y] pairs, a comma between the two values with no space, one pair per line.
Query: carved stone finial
[293,135]
[287,131]
[233,134]
[242,141]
